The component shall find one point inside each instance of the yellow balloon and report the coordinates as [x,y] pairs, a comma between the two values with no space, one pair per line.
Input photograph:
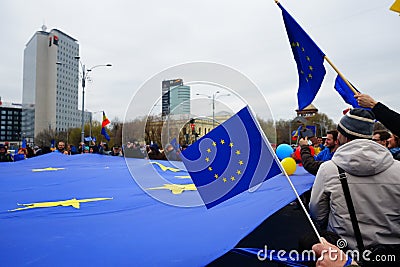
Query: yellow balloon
[289,164]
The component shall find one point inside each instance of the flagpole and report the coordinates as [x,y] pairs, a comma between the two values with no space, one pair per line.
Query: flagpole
[336,69]
[302,205]
[287,176]
[341,75]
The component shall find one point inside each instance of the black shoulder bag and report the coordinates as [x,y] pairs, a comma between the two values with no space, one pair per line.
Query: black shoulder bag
[381,254]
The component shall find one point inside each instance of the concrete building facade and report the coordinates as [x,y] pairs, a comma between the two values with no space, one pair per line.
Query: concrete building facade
[10,123]
[50,83]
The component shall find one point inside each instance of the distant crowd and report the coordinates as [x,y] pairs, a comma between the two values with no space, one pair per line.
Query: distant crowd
[130,149]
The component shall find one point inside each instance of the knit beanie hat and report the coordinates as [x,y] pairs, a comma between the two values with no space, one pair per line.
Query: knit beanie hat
[358,123]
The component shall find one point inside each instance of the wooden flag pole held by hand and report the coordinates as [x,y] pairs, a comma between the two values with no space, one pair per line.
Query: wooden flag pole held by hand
[341,76]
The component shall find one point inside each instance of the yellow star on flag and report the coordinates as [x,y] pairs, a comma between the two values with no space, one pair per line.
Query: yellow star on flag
[76,203]
[164,168]
[176,189]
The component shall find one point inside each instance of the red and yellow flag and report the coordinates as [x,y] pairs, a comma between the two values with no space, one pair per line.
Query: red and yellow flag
[106,121]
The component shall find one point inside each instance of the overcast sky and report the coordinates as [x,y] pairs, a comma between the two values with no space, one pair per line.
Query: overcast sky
[142,38]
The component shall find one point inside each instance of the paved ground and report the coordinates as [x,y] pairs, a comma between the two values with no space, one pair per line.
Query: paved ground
[280,231]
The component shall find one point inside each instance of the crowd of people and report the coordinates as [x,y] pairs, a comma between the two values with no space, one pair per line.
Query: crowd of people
[369,158]
[369,162]
[130,150]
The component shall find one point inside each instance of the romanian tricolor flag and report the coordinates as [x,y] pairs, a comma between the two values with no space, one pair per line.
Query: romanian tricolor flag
[105,122]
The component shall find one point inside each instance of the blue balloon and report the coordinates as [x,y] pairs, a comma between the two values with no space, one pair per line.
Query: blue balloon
[284,151]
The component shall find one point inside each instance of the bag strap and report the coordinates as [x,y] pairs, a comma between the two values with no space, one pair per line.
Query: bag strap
[350,206]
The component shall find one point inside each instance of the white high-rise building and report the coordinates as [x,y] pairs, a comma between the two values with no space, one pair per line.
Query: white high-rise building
[50,90]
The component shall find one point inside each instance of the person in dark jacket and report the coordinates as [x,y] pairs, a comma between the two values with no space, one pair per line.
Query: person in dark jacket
[4,156]
[388,117]
[312,163]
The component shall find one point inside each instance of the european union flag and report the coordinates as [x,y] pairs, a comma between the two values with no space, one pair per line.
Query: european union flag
[345,92]
[230,159]
[309,59]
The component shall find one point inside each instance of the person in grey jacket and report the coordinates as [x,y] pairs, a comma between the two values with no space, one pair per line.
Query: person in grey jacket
[374,181]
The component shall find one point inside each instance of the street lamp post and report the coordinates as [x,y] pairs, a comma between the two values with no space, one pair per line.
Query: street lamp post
[213,107]
[84,78]
[213,97]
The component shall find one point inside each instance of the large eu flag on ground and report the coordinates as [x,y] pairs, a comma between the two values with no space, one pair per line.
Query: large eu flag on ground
[230,159]
[309,59]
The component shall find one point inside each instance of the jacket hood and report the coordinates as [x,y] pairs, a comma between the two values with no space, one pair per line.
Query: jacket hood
[362,157]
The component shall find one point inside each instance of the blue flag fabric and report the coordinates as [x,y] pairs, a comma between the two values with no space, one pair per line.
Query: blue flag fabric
[18,157]
[23,145]
[175,144]
[132,228]
[309,59]
[345,92]
[281,257]
[230,159]
[105,134]
[88,138]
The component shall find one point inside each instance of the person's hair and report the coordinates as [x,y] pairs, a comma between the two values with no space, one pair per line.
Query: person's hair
[397,140]
[334,134]
[383,134]
[24,150]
